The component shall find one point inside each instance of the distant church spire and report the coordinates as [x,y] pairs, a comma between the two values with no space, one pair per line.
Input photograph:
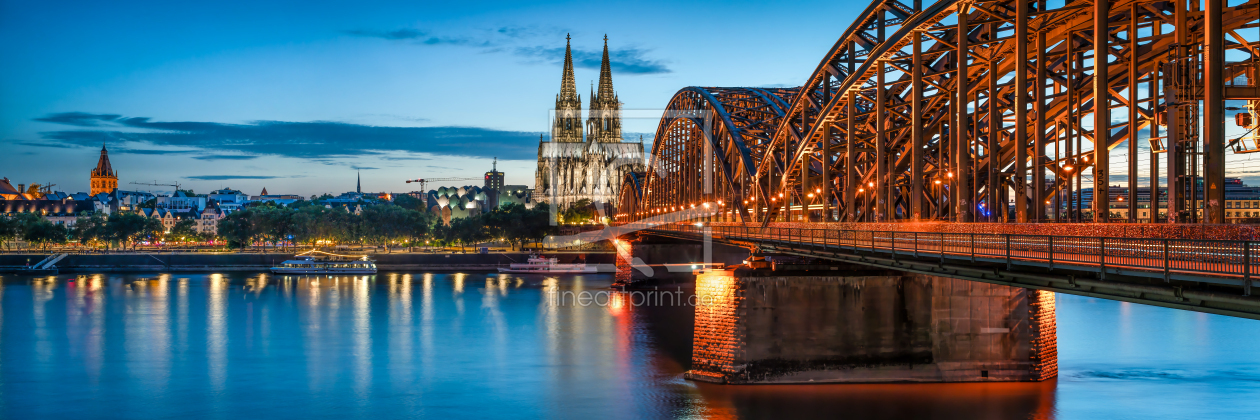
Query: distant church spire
[568,124]
[358,182]
[104,178]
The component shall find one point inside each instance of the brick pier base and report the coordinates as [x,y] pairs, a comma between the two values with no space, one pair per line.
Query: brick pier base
[754,326]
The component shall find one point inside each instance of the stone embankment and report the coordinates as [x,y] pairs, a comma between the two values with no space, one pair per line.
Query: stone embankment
[195,262]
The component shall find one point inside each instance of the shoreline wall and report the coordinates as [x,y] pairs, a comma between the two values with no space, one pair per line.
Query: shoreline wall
[192,262]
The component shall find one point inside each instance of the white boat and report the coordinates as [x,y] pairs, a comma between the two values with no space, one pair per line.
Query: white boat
[537,264]
[309,265]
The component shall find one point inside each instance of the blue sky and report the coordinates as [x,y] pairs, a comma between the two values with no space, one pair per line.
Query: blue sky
[297,96]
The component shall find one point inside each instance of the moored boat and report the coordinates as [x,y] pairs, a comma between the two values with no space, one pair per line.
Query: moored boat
[537,264]
[310,265]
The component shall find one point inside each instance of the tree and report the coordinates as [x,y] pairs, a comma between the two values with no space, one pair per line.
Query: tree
[91,229]
[128,228]
[238,229]
[417,226]
[537,225]
[33,191]
[581,211]
[383,224]
[10,229]
[275,224]
[467,231]
[183,230]
[24,222]
[409,202]
[44,232]
[510,222]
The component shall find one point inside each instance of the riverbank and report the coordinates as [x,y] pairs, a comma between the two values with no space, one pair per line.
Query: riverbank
[201,262]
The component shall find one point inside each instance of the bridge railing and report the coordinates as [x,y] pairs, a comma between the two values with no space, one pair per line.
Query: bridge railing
[1217,258]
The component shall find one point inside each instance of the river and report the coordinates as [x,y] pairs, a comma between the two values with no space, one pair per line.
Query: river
[399,345]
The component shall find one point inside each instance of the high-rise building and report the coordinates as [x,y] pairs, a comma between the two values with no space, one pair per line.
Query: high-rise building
[104,179]
[494,184]
[571,168]
[494,178]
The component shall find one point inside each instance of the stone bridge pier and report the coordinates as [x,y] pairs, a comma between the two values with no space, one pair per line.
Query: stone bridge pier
[852,324]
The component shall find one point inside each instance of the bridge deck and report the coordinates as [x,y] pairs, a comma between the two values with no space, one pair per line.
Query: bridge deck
[1166,272]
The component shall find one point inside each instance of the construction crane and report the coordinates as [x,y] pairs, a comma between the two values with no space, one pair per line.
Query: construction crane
[156,184]
[424,181]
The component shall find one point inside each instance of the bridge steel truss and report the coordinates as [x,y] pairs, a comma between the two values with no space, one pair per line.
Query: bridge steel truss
[707,148]
[950,110]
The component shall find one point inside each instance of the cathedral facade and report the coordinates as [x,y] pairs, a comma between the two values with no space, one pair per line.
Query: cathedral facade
[572,167]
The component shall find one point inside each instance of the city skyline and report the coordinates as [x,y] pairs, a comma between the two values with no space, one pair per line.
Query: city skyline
[297,99]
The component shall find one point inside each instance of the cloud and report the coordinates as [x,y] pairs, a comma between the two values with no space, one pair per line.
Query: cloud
[47,144]
[625,60]
[394,35]
[124,151]
[404,158]
[225,157]
[228,177]
[362,168]
[415,36]
[530,31]
[78,119]
[312,140]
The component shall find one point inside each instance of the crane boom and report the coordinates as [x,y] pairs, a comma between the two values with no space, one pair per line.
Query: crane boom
[425,181]
[156,184]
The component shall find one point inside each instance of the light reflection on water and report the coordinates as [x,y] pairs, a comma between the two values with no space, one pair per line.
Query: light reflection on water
[482,345]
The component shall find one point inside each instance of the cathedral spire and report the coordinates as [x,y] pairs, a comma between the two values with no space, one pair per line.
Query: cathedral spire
[568,121]
[605,74]
[358,182]
[604,122]
[568,85]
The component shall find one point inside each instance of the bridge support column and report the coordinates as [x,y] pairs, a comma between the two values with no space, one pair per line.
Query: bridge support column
[762,327]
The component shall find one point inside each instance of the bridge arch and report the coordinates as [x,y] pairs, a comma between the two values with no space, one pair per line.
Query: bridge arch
[706,149]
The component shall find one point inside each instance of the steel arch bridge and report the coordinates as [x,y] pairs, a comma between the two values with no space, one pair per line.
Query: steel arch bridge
[972,111]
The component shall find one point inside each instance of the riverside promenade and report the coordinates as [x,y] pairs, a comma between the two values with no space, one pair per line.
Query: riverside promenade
[226,261]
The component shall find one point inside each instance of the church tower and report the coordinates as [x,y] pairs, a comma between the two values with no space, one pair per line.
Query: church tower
[568,125]
[604,122]
[104,179]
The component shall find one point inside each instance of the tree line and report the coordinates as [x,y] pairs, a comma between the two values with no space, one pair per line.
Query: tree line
[385,224]
[119,230]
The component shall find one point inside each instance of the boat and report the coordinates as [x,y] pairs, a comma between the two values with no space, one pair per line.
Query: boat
[537,264]
[310,265]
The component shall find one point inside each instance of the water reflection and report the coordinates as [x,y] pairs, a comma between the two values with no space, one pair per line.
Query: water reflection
[404,345]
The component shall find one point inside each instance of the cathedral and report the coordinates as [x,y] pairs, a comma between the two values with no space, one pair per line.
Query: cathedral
[572,168]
